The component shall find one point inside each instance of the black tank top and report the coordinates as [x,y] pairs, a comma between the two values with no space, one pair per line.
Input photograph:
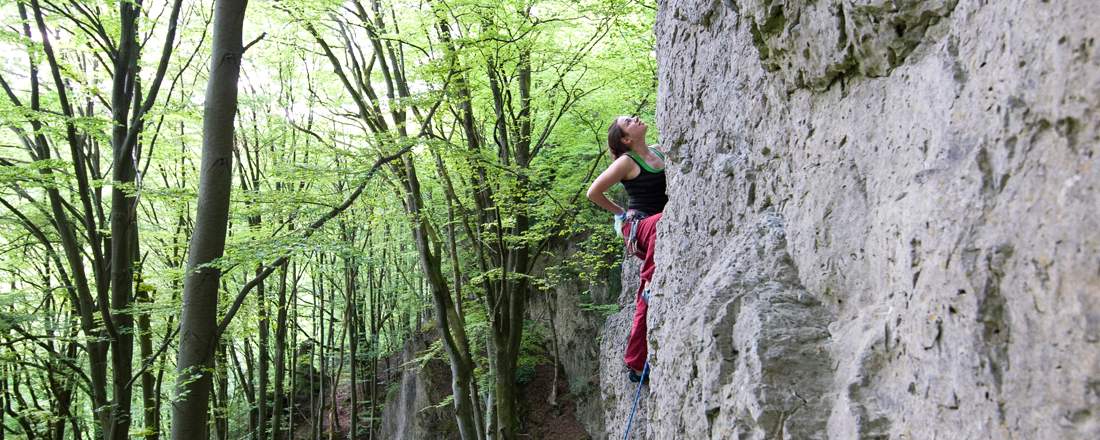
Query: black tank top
[646,191]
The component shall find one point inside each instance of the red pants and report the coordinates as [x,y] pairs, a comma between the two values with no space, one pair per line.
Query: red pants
[646,236]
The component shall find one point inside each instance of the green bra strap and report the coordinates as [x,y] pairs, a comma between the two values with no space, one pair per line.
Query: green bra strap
[642,163]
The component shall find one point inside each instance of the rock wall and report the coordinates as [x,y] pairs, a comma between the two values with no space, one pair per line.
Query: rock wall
[883,221]
[411,410]
[415,390]
[576,328]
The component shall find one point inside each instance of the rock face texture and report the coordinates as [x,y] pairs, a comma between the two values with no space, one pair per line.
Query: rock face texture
[411,410]
[883,221]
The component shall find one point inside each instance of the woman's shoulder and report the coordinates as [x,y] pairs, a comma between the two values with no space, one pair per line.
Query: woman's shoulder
[624,166]
[624,158]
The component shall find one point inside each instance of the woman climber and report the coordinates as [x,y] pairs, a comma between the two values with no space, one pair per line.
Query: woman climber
[641,169]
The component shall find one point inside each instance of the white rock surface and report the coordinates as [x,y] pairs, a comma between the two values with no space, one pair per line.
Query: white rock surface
[883,222]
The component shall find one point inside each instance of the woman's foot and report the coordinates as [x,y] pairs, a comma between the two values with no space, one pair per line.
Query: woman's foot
[636,376]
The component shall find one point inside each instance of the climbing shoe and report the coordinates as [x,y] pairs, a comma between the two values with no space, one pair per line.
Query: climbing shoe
[635,377]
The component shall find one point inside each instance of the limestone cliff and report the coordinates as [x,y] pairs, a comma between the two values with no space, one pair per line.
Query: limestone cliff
[415,389]
[883,222]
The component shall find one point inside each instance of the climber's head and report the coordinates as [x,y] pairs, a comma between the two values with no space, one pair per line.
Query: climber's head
[624,133]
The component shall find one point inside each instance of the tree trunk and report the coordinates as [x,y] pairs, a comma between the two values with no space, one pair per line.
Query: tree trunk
[295,357]
[510,305]
[337,343]
[353,344]
[334,413]
[374,292]
[93,332]
[280,358]
[351,329]
[245,380]
[64,398]
[451,331]
[123,221]
[221,413]
[148,378]
[262,359]
[199,317]
[552,309]
[506,415]
[318,413]
[3,403]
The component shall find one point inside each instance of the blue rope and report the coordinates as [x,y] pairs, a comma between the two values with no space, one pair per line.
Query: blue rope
[637,394]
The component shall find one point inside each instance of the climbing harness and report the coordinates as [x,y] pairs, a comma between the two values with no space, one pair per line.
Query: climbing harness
[637,394]
[633,217]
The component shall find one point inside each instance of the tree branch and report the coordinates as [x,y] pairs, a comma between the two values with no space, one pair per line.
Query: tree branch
[308,231]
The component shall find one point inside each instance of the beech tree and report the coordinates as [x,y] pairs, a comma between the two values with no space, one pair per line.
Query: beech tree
[199,314]
[100,291]
[370,171]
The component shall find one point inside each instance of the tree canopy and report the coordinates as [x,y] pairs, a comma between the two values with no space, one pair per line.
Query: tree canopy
[396,166]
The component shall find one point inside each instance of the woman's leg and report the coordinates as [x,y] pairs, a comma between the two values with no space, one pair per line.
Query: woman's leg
[636,350]
[647,240]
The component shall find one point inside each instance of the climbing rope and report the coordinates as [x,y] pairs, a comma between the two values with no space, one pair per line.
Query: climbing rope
[637,394]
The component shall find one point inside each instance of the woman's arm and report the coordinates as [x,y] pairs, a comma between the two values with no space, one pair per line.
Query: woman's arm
[612,175]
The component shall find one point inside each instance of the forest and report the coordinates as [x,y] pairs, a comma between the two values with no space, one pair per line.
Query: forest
[220,219]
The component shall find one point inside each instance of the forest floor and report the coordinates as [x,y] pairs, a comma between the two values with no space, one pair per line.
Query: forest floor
[543,420]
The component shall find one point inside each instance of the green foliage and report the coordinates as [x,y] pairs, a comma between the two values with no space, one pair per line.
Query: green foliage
[302,147]
[532,351]
[434,351]
[446,402]
[604,310]
[392,389]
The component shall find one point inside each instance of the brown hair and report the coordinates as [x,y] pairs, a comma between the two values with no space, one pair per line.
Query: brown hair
[615,140]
